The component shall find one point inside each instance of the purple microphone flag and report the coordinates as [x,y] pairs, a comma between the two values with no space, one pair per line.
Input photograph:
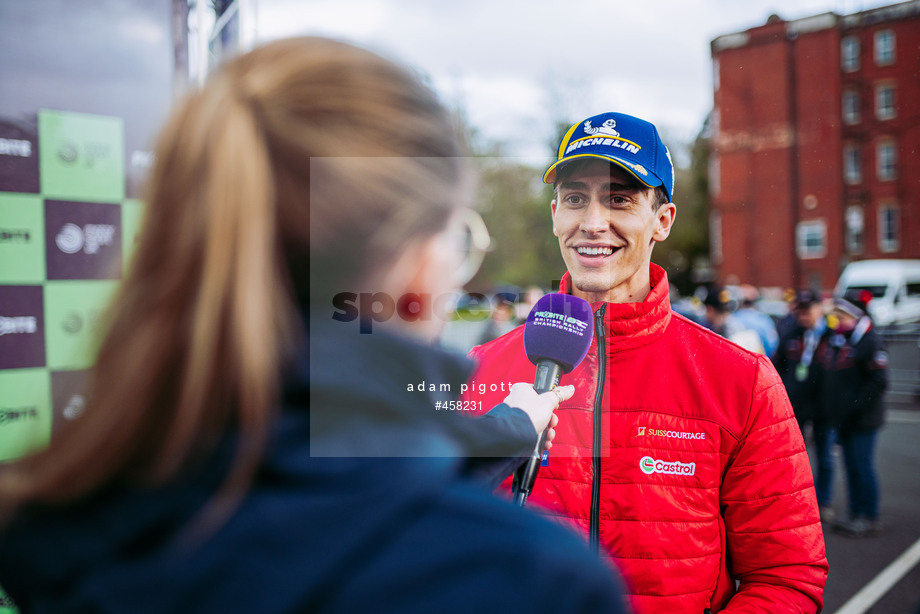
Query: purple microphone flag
[559,328]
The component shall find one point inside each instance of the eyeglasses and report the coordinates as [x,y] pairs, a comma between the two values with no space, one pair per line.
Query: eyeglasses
[471,238]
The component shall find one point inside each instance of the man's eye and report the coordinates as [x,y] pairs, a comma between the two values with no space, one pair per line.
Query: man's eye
[574,199]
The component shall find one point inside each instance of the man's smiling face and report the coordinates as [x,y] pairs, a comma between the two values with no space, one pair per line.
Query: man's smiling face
[607,225]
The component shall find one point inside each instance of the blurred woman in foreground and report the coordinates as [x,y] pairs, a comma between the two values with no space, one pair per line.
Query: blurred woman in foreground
[243,450]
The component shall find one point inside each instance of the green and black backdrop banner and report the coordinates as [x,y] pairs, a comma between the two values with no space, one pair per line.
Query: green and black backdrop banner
[84,87]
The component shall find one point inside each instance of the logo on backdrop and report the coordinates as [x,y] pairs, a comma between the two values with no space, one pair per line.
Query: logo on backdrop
[18,156]
[70,152]
[70,239]
[84,240]
[17,414]
[72,322]
[75,321]
[68,398]
[15,147]
[89,238]
[22,327]
[19,325]
[14,235]
[74,407]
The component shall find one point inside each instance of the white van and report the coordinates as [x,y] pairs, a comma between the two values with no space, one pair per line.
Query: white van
[894,284]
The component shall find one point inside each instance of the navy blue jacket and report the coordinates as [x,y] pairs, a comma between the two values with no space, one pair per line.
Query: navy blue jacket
[387,520]
[804,389]
[855,379]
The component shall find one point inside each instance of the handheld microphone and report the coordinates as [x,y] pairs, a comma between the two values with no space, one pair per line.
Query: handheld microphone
[557,336]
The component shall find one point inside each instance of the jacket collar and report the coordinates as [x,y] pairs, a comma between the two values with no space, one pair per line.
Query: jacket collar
[376,364]
[632,325]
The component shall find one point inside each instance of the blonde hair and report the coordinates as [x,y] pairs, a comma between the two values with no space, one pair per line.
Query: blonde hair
[303,155]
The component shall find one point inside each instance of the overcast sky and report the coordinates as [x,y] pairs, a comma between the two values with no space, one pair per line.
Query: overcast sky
[515,67]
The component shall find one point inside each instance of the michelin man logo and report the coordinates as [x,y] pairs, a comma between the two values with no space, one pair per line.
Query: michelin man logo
[606,128]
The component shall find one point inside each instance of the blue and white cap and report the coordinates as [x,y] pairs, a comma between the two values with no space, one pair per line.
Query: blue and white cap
[621,139]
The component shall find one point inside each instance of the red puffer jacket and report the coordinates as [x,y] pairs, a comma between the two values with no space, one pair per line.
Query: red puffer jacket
[686,466]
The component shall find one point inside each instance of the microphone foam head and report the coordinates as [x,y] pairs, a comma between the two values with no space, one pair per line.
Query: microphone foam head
[559,328]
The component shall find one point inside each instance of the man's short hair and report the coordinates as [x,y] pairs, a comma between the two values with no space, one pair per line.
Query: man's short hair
[660,197]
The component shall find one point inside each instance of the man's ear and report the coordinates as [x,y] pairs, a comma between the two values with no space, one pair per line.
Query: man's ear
[552,206]
[665,219]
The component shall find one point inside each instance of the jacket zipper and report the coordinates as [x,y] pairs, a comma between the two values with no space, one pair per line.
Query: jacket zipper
[596,452]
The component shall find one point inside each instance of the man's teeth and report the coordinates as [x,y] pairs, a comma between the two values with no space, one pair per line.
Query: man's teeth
[594,251]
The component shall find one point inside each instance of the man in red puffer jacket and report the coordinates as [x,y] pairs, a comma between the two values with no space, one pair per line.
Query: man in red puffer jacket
[679,456]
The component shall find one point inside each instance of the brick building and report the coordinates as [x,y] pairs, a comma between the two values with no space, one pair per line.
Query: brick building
[815,146]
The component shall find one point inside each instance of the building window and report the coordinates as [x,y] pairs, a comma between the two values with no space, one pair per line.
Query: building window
[855,227]
[851,107]
[715,237]
[884,48]
[715,75]
[849,53]
[886,160]
[811,239]
[888,232]
[715,175]
[852,164]
[884,101]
